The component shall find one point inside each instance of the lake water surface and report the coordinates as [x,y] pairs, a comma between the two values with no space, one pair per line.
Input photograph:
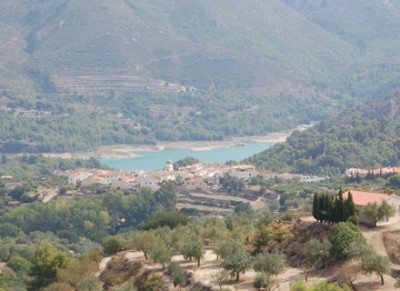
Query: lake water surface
[155,160]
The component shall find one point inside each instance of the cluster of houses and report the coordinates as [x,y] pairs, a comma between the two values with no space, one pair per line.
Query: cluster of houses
[353,172]
[139,178]
[206,176]
[195,176]
[198,176]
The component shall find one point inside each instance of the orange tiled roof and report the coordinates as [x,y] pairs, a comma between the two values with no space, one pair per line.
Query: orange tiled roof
[362,198]
[390,170]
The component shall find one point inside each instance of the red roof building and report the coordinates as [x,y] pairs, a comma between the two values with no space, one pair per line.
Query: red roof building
[362,198]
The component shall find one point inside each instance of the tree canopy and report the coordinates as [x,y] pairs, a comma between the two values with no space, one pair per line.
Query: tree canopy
[46,263]
[346,141]
[237,262]
[374,212]
[333,208]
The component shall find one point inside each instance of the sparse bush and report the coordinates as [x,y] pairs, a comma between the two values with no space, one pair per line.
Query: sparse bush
[153,283]
[299,286]
[177,275]
[112,245]
[262,281]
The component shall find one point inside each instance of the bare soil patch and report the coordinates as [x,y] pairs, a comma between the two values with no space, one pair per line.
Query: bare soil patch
[392,245]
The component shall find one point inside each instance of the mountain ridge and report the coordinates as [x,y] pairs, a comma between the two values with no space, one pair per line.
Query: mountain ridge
[219,68]
[197,43]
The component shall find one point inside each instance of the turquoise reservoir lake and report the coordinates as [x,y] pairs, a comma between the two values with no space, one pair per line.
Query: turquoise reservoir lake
[155,160]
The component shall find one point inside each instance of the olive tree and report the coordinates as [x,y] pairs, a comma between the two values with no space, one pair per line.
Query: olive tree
[192,246]
[142,241]
[269,263]
[317,251]
[160,253]
[237,262]
[374,263]
[374,212]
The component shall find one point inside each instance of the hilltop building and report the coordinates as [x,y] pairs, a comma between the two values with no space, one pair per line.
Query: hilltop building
[361,199]
[169,166]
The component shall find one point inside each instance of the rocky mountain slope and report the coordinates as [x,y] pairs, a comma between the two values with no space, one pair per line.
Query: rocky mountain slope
[347,47]
[156,70]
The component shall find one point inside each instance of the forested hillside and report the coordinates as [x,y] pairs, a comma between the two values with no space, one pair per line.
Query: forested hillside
[78,74]
[79,123]
[365,137]
[250,45]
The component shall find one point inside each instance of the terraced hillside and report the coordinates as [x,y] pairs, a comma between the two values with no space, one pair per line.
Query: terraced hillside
[345,47]
[91,83]
[141,71]
[218,201]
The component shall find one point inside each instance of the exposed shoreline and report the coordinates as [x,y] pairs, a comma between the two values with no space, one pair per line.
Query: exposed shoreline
[130,151]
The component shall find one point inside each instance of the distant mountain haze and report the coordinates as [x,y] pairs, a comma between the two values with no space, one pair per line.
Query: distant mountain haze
[78,74]
[349,47]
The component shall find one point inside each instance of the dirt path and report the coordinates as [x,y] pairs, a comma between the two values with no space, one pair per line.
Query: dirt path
[103,265]
[49,197]
[374,237]
[47,194]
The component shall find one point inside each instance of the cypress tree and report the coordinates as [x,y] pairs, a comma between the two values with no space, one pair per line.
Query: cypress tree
[350,208]
[331,208]
[315,209]
[321,208]
[358,178]
[339,205]
[326,209]
[334,217]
